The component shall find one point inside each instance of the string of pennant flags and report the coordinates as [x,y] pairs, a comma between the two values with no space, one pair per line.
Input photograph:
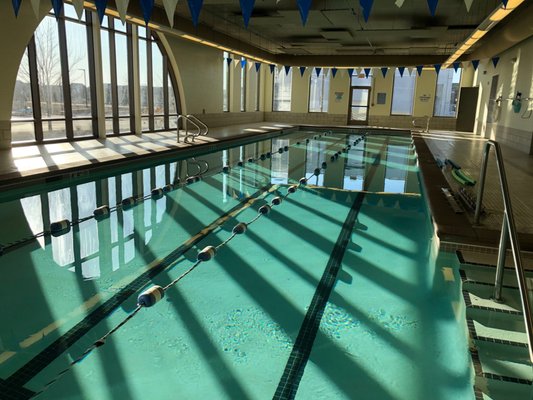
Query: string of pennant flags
[367,71]
[195,7]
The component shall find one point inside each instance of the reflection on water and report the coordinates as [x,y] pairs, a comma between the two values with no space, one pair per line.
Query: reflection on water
[95,259]
[390,159]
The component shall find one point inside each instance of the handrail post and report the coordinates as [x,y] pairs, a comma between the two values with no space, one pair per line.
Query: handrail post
[481,182]
[508,234]
[502,252]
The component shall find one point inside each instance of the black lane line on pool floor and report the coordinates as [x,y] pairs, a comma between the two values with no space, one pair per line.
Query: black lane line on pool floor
[290,380]
[61,344]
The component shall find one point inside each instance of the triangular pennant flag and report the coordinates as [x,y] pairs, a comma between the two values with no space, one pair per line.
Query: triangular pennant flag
[400,70]
[170,9]
[468,4]
[243,63]
[302,71]
[504,3]
[432,6]
[334,72]
[147,7]
[317,70]
[399,3]
[272,67]
[334,197]
[419,69]
[58,6]
[410,70]
[257,66]
[246,7]
[35,5]
[287,69]
[304,6]
[437,68]
[122,9]
[495,61]
[384,71]
[366,5]
[358,71]
[16,6]
[349,199]
[100,8]
[475,63]
[229,60]
[456,66]
[350,72]
[195,6]
[78,6]
[367,72]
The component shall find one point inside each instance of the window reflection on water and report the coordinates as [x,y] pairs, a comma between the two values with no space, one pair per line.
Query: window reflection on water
[92,248]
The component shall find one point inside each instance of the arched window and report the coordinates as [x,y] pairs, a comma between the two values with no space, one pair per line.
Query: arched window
[56,90]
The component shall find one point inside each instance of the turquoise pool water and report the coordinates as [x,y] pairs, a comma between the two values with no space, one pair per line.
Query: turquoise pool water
[336,294]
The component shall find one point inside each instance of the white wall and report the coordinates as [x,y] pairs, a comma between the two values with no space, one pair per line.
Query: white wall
[515,74]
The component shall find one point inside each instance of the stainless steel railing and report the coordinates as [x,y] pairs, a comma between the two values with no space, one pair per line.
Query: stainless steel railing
[200,127]
[508,234]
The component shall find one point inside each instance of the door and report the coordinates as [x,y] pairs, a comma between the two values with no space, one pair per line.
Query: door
[466,113]
[358,106]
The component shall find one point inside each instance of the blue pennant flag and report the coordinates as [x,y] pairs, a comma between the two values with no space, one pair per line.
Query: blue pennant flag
[147,7]
[257,66]
[384,71]
[304,6]
[433,6]
[272,67]
[100,7]
[366,5]
[229,60]
[302,71]
[195,6]
[495,61]
[456,66]
[475,63]
[317,70]
[246,7]
[16,6]
[401,70]
[504,3]
[350,72]
[287,69]
[334,71]
[58,6]
[437,68]
[367,72]
[419,69]
[243,63]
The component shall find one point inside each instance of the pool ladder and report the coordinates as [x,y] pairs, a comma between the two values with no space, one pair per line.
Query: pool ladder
[200,128]
[508,233]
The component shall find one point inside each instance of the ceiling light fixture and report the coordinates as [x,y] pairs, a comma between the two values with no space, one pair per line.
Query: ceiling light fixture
[490,22]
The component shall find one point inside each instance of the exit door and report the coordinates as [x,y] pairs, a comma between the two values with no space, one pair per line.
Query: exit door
[358,106]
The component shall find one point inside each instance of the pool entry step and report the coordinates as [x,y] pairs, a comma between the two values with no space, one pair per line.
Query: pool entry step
[497,338]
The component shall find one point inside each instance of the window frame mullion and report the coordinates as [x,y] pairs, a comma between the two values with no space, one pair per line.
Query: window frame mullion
[65,78]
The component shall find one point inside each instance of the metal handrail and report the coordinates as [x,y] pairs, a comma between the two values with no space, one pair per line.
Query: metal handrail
[508,233]
[187,120]
[202,124]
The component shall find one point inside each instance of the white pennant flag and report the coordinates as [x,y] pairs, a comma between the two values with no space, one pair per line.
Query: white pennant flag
[399,3]
[410,70]
[468,4]
[78,5]
[170,8]
[35,5]
[122,8]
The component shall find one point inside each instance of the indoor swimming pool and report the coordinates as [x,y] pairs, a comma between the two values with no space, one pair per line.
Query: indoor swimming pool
[338,293]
